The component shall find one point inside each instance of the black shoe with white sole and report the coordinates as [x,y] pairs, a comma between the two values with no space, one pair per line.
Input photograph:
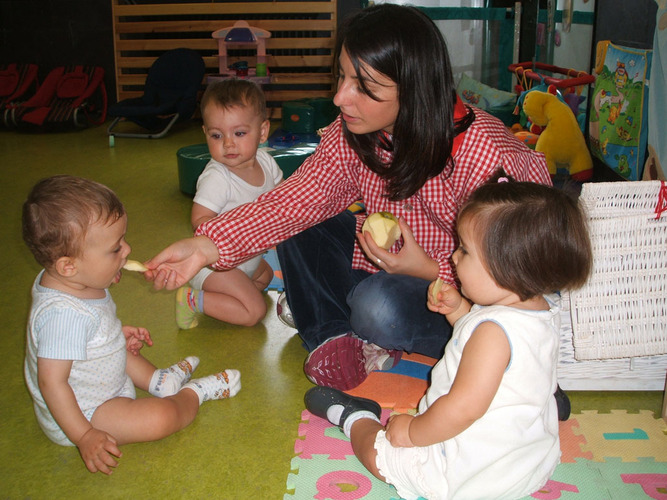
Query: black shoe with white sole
[319,399]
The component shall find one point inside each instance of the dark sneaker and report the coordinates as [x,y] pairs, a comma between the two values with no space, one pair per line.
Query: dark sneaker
[345,361]
[563,403]
[319,399]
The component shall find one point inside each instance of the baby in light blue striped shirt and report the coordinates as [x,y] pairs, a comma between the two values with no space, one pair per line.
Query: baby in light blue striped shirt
[77,369]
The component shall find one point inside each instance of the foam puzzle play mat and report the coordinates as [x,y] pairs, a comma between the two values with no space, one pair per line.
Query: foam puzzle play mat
[605,456]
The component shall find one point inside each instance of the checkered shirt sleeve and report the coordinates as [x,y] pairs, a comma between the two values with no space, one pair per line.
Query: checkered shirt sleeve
[333,178]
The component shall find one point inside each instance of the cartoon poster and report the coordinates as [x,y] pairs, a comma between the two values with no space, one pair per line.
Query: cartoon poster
[618,119]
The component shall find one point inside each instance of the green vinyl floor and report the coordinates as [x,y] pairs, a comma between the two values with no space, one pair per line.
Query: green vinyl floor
[236,449]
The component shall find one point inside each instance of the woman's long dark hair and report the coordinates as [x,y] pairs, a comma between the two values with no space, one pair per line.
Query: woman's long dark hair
[403,44]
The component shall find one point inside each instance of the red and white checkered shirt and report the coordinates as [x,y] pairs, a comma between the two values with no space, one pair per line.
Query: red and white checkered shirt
[333,178]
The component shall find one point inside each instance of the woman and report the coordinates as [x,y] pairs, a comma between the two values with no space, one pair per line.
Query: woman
[403,143]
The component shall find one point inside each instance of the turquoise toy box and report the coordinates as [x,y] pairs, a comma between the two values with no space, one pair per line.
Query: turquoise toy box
[306,116]
[193,159]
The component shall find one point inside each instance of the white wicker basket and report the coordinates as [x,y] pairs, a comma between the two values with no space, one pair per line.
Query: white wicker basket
[619,318]
[643,373]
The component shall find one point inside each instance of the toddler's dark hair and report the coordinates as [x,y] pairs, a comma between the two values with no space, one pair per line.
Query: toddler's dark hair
[58,212]
[235,92]
[534,238]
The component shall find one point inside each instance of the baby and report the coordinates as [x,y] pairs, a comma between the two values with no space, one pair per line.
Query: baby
[235,124]
[77,370]
[490,399]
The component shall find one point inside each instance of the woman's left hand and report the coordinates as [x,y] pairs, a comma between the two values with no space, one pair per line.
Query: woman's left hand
[411,259]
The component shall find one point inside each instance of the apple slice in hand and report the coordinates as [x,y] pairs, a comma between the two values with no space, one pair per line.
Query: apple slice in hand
[383,227]
[135,265]
[435,290]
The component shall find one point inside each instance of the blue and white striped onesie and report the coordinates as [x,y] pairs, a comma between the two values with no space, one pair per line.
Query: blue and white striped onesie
[88,332]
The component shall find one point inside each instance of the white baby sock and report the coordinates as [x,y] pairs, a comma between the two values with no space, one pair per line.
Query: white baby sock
[168,381]
[357,415]
[335,413]
[225,384]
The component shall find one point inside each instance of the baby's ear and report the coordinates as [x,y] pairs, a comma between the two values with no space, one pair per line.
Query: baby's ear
[65,267]
[265,128]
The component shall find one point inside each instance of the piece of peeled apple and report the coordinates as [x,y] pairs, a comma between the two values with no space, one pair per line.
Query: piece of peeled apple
[435,289]
[383,227]
[135,265]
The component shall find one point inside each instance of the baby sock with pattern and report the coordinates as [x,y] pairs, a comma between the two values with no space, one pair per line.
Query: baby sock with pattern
[225,384]
[168,381]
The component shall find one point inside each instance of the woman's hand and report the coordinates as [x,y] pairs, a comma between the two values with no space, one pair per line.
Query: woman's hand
[398,431]
[411,259]
[177,264]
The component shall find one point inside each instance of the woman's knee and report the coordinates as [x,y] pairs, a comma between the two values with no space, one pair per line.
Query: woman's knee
[390,311]
[381,311]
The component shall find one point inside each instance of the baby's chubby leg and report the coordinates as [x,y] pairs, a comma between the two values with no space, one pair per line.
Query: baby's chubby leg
[140,370]
[362,437]
[150,419]
[358,418]
[233,297]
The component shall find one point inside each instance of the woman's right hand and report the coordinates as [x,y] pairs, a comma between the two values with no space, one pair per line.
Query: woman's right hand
[177,264]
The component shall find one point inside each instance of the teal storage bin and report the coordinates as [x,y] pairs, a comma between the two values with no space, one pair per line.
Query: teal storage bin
[291,158]
[298,117]
[325,111]
[305,116]
[191,163]
[193,159]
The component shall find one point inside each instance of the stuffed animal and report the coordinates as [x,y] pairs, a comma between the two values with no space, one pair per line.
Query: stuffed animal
[561,141]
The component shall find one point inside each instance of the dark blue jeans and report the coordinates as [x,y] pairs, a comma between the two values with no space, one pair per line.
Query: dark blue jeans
[329,298]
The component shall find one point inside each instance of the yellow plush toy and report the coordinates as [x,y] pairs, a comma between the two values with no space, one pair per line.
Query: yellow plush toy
[561,141]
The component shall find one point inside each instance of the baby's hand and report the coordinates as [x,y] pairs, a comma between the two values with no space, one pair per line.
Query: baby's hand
[397,431]
[98,449]
[443,298]
[135,338]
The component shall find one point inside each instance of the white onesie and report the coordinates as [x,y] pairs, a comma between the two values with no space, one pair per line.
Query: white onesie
[514,448]
[88,332]
[220,190]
